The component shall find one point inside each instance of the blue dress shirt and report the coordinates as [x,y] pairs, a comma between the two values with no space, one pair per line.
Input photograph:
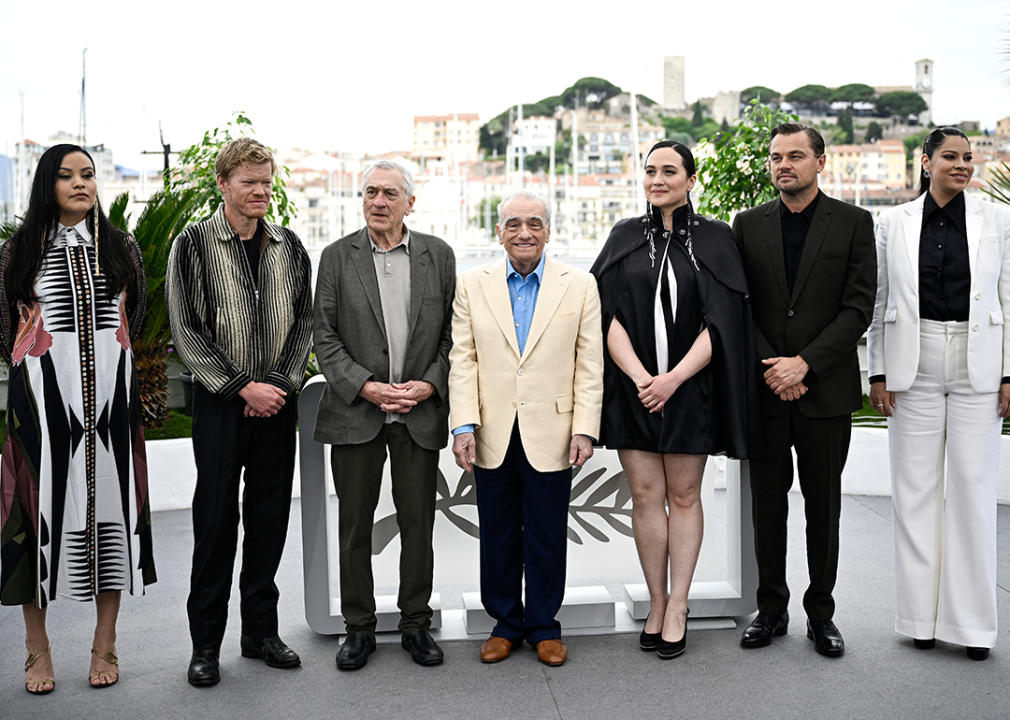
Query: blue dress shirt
[523,295]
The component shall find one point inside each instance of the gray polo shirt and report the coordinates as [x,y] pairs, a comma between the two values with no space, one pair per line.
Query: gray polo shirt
[392,271]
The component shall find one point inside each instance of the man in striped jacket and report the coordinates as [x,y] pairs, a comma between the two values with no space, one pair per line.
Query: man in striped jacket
[240,304]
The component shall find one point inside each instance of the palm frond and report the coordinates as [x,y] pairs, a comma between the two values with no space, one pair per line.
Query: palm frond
[163,218]
[117,212]
[999,185]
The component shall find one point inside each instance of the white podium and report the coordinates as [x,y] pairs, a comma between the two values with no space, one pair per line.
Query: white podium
[600,546]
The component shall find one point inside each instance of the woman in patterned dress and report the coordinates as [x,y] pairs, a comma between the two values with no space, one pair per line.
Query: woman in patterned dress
[74,514]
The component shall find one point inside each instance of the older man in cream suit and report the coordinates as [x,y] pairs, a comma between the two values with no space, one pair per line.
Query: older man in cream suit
[525,389]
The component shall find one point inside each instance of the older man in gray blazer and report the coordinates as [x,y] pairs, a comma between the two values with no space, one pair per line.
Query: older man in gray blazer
[382,333]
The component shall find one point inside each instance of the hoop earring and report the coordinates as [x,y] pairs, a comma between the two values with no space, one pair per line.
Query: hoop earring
[926,173]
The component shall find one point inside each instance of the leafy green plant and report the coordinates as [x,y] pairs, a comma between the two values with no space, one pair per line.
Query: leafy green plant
[164,216]
[733,167]
[195,170]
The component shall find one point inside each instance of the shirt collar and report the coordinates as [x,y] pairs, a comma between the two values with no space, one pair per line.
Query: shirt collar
[80,228]
[807,212]
[538,271]
[404,243]
[953,209]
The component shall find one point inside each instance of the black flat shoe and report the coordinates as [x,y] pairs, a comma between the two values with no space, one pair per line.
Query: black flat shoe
[977,653]
[204,668]
[271,650]
[649,641]
[827,639]
[354,652]
[422,647]
[763,628]
[924,644]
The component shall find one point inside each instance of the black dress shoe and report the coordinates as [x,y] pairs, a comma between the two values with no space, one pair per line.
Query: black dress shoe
[649,641]
[670,650]
[355,651]
[977,653]
[763,628]
[271,650]
[204,668]
[927,644]
[827,640]
[422,647]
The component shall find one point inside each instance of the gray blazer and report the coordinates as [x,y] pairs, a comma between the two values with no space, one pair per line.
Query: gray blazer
[349,338]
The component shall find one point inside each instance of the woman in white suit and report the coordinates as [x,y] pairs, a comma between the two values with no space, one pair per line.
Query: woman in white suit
[939,357]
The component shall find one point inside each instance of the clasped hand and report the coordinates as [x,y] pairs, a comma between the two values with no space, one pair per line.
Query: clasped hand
[654,391]
[396,397]
[785,376]
[262,399]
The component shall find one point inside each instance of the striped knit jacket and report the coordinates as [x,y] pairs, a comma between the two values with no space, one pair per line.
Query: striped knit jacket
[228,329]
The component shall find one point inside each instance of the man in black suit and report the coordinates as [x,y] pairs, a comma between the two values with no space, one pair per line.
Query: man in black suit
[811,267]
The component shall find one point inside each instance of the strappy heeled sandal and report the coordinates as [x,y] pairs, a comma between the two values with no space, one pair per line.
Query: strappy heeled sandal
[112,660]
[32,659]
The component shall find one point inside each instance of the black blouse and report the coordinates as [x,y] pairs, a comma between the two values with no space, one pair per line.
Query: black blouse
[944,267]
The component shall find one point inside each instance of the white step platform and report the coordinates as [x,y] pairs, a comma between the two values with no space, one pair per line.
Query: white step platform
[702,601]
[583,607]
[387,615]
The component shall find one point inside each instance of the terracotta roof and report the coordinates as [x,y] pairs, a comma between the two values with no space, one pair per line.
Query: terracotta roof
[445,118]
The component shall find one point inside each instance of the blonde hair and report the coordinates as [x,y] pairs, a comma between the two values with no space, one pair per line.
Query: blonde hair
[243,150]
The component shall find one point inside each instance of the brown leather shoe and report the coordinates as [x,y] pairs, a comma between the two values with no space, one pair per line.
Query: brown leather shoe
[552,652]
[495,649]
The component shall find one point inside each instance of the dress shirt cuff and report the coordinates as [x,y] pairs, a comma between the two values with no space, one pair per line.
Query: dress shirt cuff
[883,378]
[1004,381]
[462,429]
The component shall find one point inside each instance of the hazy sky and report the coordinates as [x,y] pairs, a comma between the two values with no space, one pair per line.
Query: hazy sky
[351,76]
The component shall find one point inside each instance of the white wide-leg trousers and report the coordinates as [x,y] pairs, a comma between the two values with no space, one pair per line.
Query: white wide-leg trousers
[945,533]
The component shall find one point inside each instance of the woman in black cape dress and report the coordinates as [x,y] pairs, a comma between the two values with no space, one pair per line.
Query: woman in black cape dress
[679,376]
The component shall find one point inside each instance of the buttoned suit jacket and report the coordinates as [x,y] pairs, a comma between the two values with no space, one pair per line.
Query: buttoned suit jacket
[893,339]
[555,387]
[830,306]
[349,338]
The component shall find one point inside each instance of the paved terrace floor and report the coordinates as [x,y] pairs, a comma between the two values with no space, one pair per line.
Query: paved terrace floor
[606,676]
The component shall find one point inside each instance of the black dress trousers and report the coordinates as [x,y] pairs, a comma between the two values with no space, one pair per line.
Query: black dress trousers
[225,444]
[822,445]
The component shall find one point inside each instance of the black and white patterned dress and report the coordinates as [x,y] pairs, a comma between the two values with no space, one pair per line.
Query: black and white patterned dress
[74,511]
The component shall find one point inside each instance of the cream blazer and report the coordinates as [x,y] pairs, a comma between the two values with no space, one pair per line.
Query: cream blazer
[893,337]
[555,387]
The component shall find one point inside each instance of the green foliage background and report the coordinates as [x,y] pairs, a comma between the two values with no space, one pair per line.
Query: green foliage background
[733,167]
[195,169]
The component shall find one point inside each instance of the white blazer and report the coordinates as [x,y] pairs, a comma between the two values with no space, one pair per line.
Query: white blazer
[893,337]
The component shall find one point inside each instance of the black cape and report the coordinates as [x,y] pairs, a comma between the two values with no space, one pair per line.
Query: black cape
[726,309]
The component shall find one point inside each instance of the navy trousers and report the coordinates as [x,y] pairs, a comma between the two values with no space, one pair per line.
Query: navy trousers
[523,524]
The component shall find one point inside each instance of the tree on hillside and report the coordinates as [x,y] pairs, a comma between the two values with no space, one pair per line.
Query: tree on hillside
[853,93]
[900,102]
[698,119]
[591,91]
[759,92]
[809,95]
[874,132]
[913,146]
[845,126]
